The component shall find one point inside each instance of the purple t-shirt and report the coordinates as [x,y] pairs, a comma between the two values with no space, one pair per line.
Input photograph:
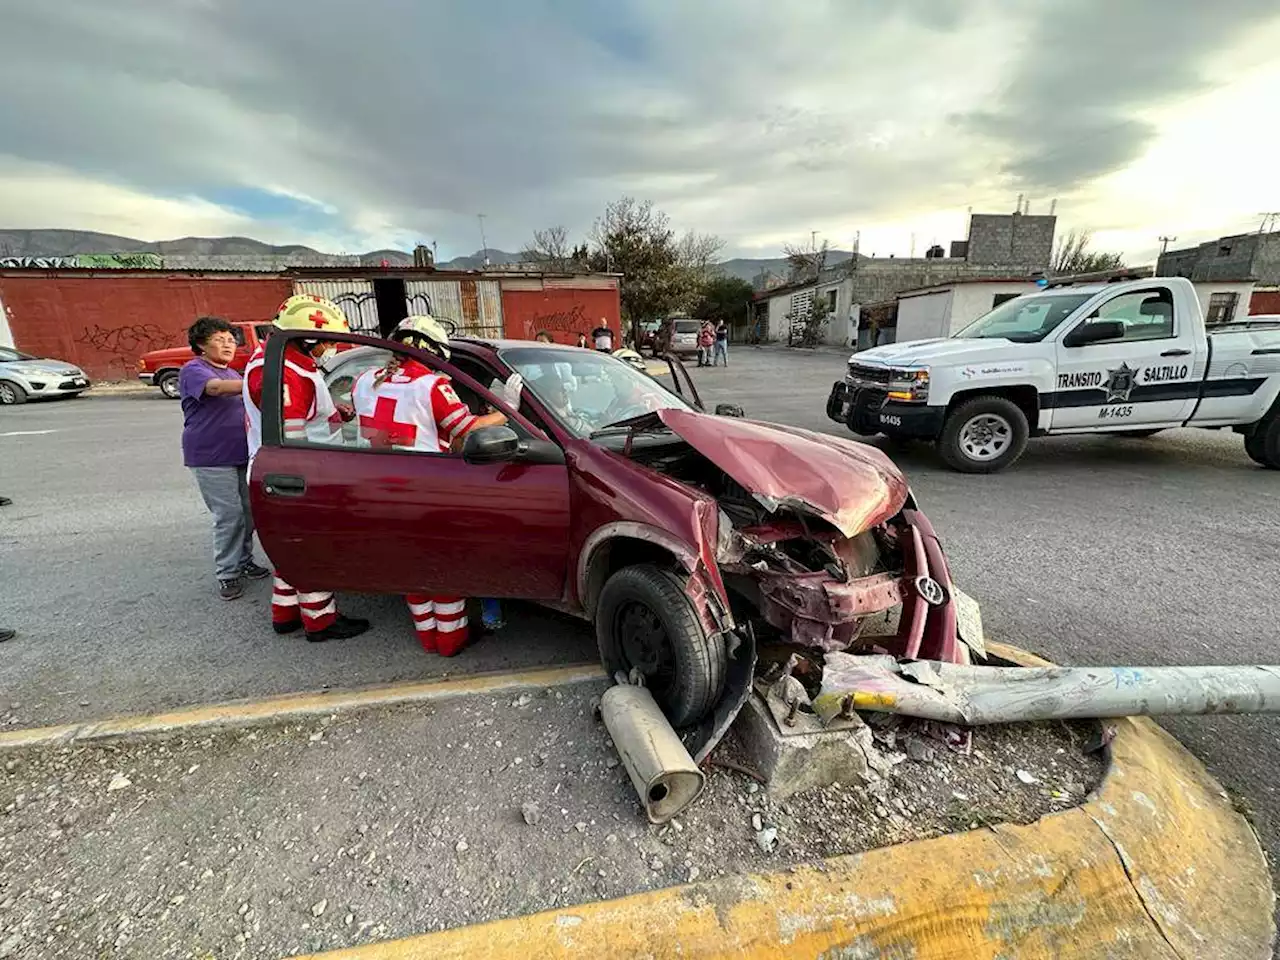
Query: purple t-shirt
[213,428]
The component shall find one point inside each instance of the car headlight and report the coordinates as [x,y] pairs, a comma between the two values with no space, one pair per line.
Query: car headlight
[911,386]
[27,371]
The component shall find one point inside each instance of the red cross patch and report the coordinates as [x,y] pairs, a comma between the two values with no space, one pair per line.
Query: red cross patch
[383,430]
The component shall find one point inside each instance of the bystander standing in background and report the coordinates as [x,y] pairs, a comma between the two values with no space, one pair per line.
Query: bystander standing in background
[215,449]
[722,345]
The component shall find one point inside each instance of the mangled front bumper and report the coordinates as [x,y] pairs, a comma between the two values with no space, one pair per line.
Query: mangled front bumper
[826,612]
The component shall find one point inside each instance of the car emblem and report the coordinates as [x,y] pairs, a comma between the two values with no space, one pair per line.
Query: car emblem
[1119,383]
[930,591]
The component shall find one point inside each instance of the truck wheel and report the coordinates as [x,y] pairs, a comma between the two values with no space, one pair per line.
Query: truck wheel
[1263,443]
[11,393]
[645,620]
[168,384]
[1136,434]
[983,435]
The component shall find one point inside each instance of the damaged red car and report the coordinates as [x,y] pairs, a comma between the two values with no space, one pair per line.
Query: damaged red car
[687,537]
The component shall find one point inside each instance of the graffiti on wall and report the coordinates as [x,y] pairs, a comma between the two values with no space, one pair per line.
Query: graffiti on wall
[119,347]
[571,320]
[107,261]
[38,263]
[121,261]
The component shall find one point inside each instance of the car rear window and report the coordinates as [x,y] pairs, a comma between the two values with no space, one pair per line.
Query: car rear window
[687,326]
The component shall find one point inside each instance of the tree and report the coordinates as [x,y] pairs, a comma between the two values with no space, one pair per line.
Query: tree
[805,263]
[635,239]
[550,248]
[724,298]
[1073,256]
[697,252]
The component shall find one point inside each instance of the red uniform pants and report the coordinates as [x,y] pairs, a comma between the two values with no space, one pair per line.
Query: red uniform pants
[316,610]
[441,622]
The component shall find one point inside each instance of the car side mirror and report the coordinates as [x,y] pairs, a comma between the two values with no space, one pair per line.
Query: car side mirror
[729,410]
[490,445]
[1094,331]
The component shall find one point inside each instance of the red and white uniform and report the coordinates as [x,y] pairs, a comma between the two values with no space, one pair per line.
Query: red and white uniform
[309,411]
[412,409]
[309,414]
[416,409]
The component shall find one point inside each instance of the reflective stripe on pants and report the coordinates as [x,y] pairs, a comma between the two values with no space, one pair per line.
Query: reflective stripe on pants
[440,622]
[317,610]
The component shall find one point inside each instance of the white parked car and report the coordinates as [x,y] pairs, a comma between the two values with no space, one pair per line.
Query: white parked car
[1130,358]
[24,377]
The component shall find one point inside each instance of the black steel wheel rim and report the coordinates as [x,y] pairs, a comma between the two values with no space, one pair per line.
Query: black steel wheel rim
[646,645]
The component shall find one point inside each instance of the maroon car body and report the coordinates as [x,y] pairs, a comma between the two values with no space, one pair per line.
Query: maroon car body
[772,531]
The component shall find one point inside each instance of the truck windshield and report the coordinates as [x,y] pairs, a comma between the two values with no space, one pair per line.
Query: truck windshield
[1024,320]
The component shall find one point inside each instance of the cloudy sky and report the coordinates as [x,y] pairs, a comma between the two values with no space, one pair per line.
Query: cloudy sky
[354,125]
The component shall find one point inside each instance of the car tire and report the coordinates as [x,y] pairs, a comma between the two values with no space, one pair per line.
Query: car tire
[984,435]
[168,384]
[644,619]
[1262,444]
[11,394]
[1137,434]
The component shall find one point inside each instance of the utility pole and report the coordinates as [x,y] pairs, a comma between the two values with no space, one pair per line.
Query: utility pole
[1164,243]
[484,243]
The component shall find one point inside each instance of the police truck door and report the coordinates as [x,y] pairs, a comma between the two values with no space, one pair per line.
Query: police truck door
[1128,365]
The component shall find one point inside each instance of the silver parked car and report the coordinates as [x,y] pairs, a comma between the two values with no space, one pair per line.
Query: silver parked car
[24,377]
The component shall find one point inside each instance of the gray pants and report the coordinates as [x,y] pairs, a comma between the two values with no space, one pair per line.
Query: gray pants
[226,494]
[721,351]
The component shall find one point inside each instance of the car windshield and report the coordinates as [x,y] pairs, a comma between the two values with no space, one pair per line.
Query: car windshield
[1025,319]
[587,390]
[7,354]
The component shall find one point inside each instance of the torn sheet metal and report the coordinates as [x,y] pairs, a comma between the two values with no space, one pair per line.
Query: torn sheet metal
[741,650]
[850,485]
[952,693]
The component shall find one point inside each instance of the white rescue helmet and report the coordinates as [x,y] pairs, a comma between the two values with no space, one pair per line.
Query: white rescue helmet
[426,333]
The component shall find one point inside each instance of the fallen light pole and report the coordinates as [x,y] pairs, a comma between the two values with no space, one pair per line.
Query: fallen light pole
[663,773]
[952,693]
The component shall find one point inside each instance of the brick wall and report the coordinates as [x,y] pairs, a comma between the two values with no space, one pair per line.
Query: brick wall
[1011,238]
[104,323]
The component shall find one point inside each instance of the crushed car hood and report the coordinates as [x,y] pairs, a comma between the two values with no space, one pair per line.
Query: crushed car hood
[850,485]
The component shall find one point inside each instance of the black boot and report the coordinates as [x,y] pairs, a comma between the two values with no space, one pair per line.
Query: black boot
[342,628]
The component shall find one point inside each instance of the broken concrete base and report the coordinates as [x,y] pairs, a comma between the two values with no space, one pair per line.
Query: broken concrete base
[805,757]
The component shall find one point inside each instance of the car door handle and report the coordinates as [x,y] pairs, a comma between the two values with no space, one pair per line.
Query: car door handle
[1175,353]
[282,485]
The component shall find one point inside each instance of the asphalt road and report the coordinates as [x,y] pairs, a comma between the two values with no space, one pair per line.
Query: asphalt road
[1090,550]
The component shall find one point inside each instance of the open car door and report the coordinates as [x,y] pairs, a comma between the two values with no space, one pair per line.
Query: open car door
[346,515]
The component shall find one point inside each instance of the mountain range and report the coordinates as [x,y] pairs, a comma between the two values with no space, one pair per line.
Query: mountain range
[64,243]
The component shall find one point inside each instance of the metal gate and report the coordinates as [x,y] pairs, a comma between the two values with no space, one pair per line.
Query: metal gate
[354,297]
[475,306]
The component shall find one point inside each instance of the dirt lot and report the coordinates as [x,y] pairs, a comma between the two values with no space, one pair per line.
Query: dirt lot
[390,822]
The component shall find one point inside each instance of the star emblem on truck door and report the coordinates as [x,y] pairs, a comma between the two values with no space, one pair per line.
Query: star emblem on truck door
[1119,383]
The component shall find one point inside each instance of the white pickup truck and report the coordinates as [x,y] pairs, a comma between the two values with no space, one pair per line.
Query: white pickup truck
[1130,358]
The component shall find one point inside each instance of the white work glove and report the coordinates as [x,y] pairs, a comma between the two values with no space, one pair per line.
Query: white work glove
[511,390]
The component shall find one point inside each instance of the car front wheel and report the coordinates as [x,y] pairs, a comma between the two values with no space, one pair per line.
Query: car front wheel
[168,384]
[11,393]
[644,620]
[984,435]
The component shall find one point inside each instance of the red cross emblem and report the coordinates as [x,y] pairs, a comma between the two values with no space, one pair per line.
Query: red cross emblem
[383,430]
[317,318]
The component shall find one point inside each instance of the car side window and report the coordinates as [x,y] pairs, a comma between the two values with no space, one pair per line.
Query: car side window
[334,402]
[238,333]
[1144,314]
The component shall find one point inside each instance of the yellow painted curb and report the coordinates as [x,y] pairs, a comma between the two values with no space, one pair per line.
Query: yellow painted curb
[1156,865]
[272,709]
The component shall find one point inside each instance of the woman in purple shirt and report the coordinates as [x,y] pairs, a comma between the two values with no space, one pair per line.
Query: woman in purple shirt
[215,448]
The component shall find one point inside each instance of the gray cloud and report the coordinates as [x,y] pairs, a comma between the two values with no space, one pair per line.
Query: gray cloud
[750,119]
[1073,108]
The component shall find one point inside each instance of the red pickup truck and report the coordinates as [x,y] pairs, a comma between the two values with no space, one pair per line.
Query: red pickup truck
[160,367]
